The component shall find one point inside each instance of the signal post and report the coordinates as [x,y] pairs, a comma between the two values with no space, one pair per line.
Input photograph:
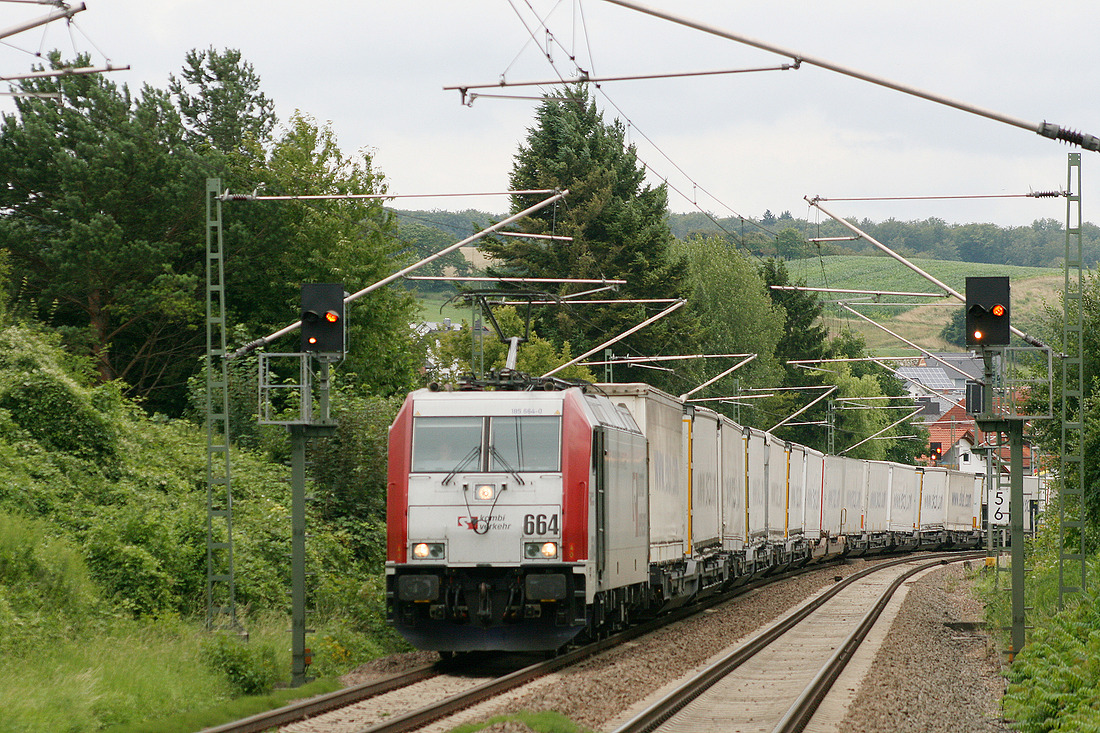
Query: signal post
[323,343]
[988,330]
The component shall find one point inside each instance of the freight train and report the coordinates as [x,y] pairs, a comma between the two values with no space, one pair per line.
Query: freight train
[518,520]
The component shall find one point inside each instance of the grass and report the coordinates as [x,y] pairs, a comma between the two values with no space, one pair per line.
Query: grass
[435,307]
[870,273]
[228,712]
[1054,683]
[129,676]
[126,671]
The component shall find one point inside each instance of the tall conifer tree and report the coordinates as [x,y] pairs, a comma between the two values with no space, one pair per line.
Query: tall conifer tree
[619,230]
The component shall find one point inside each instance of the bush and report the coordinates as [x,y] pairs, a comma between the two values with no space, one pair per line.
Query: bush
[52,410]
[251,668]
[1054,684]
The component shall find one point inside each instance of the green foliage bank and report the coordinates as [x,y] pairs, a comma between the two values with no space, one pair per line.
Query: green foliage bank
[102,555]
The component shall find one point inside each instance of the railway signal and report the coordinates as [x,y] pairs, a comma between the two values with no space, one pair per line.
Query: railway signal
[324,329]
[987,314]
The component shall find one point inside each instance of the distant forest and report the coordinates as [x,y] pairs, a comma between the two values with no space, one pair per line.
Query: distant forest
[1042,244]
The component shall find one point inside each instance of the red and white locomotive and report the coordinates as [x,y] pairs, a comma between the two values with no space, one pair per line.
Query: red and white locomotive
[519,519]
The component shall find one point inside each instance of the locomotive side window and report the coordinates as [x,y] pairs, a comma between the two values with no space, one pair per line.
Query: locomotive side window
[525,444]
[443,444]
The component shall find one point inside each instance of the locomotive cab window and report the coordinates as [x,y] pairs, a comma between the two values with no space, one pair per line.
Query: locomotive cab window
[445,444]
[525,444]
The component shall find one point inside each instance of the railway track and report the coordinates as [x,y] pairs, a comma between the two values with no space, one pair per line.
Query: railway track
[742,692]
[321,704]
[445,698]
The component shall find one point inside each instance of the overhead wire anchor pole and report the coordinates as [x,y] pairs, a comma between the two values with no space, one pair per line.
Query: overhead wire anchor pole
[1046,129]
[620,337]
[815,202]
[401,273]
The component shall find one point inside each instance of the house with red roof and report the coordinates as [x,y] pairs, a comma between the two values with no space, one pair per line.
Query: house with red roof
[954,436]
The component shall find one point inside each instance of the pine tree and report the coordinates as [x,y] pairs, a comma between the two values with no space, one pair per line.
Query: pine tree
[619,230]
[102,216]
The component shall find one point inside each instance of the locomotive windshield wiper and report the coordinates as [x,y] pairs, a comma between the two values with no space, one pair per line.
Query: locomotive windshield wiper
[507,466]
[474,452]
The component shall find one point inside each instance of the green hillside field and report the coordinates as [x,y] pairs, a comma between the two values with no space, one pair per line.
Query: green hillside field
[918,319]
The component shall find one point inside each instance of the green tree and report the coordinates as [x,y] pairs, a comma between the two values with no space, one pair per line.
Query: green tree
[955,330]
[274,247]
[851,427]
[350,241]
[422,240]
[730,302]
[790,244]
[981,243]
[221,103]
[617,222]
[1086,407]
[102,217]
[804,336]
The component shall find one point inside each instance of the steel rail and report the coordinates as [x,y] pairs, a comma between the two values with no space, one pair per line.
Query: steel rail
[315,706]
[663,710]
[802,711]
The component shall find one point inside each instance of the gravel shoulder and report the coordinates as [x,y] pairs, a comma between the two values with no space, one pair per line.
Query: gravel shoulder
[935,671]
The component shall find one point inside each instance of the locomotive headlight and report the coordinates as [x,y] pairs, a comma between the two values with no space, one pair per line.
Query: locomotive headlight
[485,492]
[540,550]
[428,550]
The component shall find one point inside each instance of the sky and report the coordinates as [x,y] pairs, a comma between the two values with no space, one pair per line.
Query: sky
[732,145]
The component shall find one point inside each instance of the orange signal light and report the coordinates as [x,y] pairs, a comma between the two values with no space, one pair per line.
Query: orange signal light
[333,316]
[997,310]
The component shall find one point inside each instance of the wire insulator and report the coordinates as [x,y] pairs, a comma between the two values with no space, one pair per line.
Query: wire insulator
[1071,137]
[1047,194]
